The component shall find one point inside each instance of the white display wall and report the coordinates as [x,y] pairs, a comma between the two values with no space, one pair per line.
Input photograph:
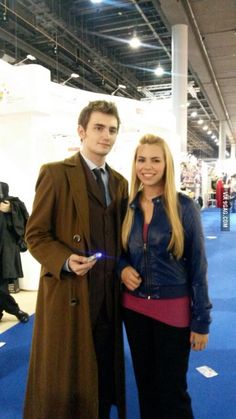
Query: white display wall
[38,124]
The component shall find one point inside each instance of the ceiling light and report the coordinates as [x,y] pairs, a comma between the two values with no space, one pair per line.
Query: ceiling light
[31,57]
[213,137]
[193,114]
[205,127]
[28,57]
[159,71]
[120,86]
[209,132]
[72,76]
[200,121]
[96,1]
[135,41]
[192,90]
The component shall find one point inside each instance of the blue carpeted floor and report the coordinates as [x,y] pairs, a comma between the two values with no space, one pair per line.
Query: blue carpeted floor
[213,398]
[14,357]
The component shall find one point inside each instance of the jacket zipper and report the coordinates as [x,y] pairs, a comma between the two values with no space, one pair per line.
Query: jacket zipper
[146,270]
[148,289]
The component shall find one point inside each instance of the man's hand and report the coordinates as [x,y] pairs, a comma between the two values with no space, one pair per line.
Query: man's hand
[79,264]
[198,341]
[131,278]
[5,206]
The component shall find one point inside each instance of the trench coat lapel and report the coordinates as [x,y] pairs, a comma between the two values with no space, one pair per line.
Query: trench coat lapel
[113,189]
[77,181]
[112,183]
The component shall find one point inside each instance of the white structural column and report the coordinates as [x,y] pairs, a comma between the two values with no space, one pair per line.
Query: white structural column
[180,81]
[222,142]
[233,151]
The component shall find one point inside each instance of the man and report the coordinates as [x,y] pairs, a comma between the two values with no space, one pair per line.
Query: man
[76,368]
[233,192]
[13,217]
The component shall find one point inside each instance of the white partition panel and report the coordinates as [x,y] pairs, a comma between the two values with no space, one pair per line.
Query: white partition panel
[38,124]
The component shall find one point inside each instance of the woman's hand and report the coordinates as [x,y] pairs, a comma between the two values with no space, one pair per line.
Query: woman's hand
[131,278]
[198,341]
[79,264]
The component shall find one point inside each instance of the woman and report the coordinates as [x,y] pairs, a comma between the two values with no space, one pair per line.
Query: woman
[163,269]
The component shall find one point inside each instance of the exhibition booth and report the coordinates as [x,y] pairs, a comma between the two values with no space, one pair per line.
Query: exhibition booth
[38,124]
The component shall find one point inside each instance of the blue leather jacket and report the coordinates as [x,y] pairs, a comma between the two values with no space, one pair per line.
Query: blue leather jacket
[163,276]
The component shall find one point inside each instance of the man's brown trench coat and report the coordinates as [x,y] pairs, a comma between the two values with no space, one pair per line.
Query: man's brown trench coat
[62,381]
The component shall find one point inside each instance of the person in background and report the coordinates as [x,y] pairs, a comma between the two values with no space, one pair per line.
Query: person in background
[77,367]
[163,269]
[13,218]
[233,193]
[219,192]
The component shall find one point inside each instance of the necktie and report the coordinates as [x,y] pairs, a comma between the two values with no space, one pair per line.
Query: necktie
[100,183]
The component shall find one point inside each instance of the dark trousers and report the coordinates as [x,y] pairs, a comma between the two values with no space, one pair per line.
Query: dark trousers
[103,336]
[160,355]
[7,302]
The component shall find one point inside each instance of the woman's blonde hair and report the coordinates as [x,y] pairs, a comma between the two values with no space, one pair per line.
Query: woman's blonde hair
[176,244]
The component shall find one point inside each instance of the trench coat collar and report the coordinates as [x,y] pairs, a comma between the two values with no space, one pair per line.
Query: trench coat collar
[77,181]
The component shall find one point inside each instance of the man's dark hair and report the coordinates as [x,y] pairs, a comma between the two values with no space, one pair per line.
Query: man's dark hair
[102,106]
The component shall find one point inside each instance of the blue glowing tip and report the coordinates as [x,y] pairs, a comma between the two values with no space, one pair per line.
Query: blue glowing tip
[98,255]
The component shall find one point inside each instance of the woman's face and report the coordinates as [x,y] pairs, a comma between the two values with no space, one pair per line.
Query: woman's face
[150,165]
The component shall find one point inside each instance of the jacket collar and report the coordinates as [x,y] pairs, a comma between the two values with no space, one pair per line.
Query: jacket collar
[136,201]
[73,160]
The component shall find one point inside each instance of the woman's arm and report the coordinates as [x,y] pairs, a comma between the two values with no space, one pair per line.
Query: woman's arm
[197,269]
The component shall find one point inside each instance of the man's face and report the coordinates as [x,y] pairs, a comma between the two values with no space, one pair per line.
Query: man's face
[99,136]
